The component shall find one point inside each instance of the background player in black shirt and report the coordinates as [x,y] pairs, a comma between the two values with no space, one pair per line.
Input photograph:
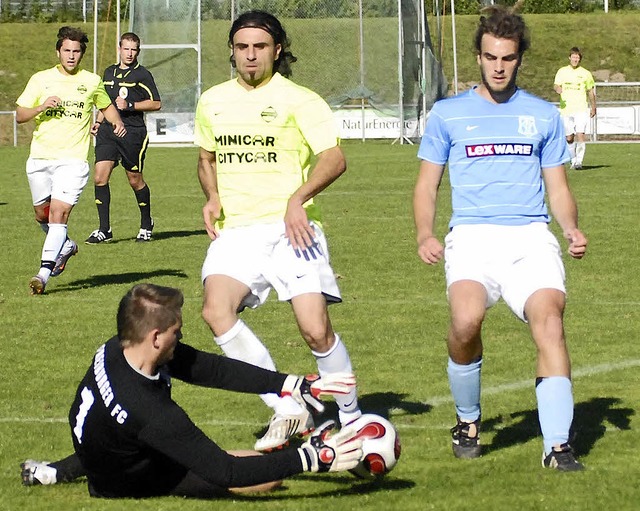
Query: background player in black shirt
[132,440]
[133,91]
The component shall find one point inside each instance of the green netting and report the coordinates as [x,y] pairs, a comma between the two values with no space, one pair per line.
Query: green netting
[373,55]
[169,33]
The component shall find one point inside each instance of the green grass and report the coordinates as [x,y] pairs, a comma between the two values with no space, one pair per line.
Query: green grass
[393,320]
[608,42]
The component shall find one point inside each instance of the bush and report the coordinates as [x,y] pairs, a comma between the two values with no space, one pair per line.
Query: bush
[534,7]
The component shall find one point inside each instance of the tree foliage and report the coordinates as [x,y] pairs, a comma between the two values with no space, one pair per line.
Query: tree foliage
[61,11]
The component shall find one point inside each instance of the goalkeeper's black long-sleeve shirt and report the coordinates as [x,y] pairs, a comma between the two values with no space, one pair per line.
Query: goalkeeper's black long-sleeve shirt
[134,441]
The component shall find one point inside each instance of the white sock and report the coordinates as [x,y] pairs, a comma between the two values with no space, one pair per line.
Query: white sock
[581,147]
[68,244]
[337,360]
[53,244]
[572,151]
[241,343]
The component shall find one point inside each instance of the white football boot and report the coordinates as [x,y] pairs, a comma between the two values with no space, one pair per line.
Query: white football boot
[282,428]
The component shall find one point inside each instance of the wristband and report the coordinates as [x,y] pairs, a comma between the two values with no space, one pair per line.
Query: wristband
[130,107]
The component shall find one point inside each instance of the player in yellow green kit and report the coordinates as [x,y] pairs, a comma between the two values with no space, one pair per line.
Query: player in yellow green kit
[575,85]
[257,134]
[61,101]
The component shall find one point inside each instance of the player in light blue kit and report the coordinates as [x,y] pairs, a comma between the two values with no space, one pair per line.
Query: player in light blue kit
[505,147]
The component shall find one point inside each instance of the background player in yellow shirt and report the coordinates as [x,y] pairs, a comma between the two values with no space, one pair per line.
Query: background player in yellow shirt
[257,134]
[575,84]
[61,101]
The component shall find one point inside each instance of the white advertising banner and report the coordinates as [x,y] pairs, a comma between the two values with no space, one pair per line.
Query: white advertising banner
[170,127]
[352,123]
[619,120]
[177,128]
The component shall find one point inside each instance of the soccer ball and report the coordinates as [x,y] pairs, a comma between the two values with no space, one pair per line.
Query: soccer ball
[381,446]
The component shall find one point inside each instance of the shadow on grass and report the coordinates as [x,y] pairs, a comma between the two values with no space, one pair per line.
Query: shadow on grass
[355,487]
[589,168]
[589,425]
[382,403]
[591,419]
[116,278]
[165,235]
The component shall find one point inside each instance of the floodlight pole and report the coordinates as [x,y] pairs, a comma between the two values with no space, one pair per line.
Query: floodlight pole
[233,17]
[95,36]
[118,30]
[401,136]
[199,54]
[400,74]
[423,67]
[362,106]
[455,51]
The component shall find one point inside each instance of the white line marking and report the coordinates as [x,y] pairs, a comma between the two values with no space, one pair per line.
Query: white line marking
[433,401]
[577,373]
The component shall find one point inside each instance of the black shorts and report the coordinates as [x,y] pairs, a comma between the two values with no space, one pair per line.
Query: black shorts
[128,150]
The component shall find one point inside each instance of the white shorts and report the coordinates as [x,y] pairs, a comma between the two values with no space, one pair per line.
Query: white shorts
[63,180]
[576,123]
[510,261]
[261,257]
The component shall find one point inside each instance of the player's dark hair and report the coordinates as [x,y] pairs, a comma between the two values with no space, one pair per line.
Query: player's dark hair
[129,36]
[575,51]
[146,307]
[269,23]
[504,23]
[72,34]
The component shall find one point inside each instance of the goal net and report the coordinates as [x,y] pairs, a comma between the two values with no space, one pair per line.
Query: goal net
[372,61]
[170,32]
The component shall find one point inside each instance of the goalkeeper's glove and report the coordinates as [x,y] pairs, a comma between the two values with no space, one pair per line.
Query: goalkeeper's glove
[308,389]
[324,453]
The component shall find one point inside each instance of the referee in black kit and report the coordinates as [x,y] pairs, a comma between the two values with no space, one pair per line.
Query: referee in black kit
[133,91]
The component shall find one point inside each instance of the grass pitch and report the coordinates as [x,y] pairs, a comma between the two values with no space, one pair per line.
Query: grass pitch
[393,320]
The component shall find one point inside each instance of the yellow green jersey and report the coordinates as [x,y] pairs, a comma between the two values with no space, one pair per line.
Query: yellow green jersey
[62,133]
[575,82]
[263,140]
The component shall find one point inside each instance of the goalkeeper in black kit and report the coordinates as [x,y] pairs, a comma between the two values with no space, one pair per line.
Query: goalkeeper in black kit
[132,440]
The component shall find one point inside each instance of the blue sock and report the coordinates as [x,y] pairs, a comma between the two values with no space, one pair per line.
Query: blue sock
[464,381]
[555,410]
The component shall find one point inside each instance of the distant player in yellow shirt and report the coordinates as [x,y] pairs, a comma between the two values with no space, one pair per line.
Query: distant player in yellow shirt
[61,101]
[257,134]
[575,85]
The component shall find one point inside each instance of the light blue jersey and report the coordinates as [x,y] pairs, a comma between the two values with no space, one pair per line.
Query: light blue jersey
[495,154]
